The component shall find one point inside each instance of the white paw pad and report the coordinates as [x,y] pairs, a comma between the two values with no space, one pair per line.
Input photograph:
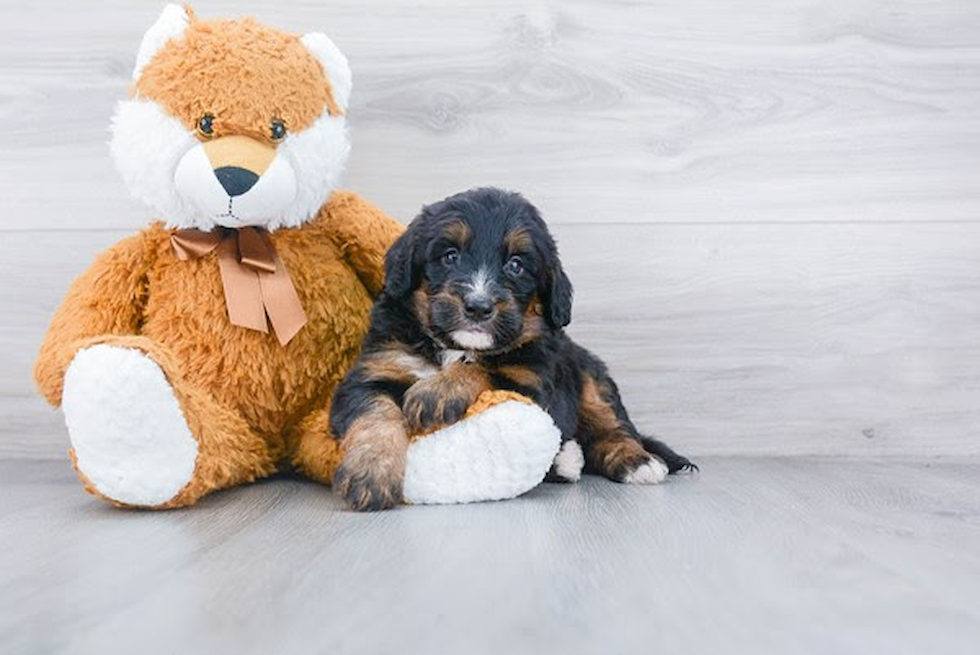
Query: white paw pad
[126,426]
[652,472]
[570,461]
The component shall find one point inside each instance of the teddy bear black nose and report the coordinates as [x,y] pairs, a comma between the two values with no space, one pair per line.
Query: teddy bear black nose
[235,180]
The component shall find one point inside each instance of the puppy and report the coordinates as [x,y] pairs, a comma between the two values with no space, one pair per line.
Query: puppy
[475,298]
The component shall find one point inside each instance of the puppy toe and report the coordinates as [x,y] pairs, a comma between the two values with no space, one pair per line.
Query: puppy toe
[453,410]
[568,463]
[653,471]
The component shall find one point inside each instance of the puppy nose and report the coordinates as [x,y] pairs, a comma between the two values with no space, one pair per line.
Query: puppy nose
[235,180]
[478,308]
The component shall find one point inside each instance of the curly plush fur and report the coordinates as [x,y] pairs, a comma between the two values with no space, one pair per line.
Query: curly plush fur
[249,402]
[164,398]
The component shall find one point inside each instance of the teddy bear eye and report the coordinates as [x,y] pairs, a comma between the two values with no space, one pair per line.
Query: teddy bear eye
[277,130]
[205,125]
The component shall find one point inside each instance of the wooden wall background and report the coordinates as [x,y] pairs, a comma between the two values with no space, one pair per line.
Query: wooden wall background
[771,211]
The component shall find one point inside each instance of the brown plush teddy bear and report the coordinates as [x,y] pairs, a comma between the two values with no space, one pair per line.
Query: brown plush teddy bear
[202,352]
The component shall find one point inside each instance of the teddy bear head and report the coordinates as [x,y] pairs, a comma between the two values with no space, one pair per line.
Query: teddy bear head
[232,123]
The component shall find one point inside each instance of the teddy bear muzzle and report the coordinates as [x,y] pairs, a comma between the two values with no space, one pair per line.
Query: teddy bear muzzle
[235,180]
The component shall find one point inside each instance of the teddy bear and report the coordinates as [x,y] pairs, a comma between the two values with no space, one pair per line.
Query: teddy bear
[202,352]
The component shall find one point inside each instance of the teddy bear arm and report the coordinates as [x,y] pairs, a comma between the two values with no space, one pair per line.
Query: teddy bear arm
[364,233]
[106,300]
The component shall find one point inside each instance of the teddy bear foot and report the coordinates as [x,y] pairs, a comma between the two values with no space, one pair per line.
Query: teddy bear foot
[498,453]
[131,442]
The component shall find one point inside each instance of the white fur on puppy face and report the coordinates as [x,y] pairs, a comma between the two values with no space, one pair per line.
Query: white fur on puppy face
[163,165]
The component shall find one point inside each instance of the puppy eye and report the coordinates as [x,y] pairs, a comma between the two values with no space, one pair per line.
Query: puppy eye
[205,125]
[514,266]
[277,131]
[450,257]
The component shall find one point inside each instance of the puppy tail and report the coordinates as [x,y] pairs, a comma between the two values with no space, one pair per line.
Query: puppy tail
[675,463]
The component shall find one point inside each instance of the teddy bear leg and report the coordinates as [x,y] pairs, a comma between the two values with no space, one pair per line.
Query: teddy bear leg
[315,453]
[137,441]
[499,452]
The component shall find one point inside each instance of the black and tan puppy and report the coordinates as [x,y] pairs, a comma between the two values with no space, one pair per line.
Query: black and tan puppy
[475,298]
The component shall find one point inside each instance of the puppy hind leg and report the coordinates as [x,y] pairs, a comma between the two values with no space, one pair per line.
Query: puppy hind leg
[569,463]
[675,463]
[613,447]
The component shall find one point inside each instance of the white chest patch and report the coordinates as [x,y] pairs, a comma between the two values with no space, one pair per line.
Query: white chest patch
[416,365]
[448,357]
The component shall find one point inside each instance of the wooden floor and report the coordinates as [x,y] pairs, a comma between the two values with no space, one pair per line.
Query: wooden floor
[752,555]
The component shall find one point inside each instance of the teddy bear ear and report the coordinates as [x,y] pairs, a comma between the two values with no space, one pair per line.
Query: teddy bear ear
[171,24]
[334,65]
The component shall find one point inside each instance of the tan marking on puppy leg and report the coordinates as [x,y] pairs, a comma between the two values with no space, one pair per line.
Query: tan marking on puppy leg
[521,375]
[595,413]
[472,378]
[616,456]
[371,475]
[395,364]
[613,452]
[443,398]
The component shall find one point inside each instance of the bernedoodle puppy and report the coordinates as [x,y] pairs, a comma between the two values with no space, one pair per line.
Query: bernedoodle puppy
[475,298]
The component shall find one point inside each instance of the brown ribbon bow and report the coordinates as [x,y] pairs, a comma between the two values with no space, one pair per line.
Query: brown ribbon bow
[255,279]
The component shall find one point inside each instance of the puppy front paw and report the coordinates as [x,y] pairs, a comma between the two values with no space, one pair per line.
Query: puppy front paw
[372,474]
[367,489]
[431,403]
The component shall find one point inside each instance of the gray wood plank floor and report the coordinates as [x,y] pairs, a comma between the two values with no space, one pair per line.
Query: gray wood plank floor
[752,555]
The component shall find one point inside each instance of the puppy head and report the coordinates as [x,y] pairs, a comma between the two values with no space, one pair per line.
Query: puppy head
[481,272]
[233,123]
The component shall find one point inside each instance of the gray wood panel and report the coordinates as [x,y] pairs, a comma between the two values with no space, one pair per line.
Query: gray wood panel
[753,339]
[750,556]
[769,210]
[680,111]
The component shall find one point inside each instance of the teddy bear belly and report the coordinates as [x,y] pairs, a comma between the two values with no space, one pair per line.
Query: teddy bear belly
[270,385]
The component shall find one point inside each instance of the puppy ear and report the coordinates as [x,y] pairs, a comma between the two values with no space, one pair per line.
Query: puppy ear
[558,297]
[401,263]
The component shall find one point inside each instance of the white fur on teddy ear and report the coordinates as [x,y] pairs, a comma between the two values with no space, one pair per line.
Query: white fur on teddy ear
[334,65]
[171,24]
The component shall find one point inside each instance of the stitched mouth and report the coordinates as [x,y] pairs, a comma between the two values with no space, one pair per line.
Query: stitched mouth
[229,213]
